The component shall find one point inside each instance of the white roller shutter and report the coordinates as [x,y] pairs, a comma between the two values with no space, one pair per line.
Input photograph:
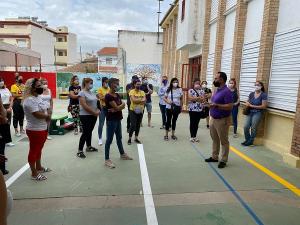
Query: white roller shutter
[214,9]
[285,71]
[248,69]
[210,69]
[230,4]
[226,61]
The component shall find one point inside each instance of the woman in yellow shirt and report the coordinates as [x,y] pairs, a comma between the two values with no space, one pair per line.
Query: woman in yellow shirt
[17,91]
[137,104]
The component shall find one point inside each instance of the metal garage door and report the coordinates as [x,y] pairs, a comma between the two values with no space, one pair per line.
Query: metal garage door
[214,9]
[210,69]
[248,69]
[285,71]
[226,61]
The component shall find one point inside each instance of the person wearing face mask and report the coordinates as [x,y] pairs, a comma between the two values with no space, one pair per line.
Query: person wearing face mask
[236,103]
[173,99]
[73,107]
[129,87]
[17,90]
[7,101]
[38,115]
[47,97]
[137,104]
[196,98]
[208,96]
[257,102]
[88,116]
[148,89]
[101,96]
[220,111]
[114,117]
[162,104]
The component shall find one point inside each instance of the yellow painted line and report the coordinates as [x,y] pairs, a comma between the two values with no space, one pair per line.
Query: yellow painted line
[280,180]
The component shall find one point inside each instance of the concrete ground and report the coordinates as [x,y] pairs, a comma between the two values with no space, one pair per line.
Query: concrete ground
[186,190]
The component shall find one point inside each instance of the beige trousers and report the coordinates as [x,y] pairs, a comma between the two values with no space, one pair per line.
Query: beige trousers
[219,129]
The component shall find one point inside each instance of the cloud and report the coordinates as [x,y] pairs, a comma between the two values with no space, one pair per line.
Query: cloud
[96,22]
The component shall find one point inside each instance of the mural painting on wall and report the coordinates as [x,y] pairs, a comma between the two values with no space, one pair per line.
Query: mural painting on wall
[151,71]
[63,80]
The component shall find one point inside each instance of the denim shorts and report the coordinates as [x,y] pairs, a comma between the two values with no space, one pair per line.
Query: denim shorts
[149,107]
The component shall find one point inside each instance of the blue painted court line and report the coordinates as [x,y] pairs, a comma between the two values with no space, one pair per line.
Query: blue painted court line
[232,190]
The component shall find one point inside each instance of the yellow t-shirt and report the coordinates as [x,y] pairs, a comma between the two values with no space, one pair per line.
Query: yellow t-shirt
[103,91]
[138,94]
[17,89]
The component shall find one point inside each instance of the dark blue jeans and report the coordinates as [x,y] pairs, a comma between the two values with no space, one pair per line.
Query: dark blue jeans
[251,123]
[102,117]
[163,114]
[113,127]
[235,112]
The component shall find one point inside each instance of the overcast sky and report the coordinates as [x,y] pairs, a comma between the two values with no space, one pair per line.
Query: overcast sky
[95,22]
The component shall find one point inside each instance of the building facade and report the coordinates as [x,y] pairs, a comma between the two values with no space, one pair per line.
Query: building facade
[108,60]
[254,40]
[57,47]
[141,55]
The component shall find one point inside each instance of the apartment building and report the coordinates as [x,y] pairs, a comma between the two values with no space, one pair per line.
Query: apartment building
[253,40]
[108,60]
[56,46]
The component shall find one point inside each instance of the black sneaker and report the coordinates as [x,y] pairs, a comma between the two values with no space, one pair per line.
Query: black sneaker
[91,149]
[222,165]
[137,141]
[207,126]
[129,142]
[5,172]
[81,155]
[210,159]
[243,143]
[248,143]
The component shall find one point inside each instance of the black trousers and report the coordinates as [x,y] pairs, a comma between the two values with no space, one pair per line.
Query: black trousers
[18,117]
[128,118]
[194,123]
[135,123]
[88,123]
[2,152]
[172,117]
[163,114]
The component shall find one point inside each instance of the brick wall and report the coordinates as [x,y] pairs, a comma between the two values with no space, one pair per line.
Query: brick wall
[206,36]
[295,150]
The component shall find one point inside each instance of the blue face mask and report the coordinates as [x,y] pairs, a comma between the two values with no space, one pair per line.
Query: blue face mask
[91,87]
[165,82]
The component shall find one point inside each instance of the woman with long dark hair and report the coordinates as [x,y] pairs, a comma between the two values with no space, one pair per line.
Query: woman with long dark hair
[173,99]
[236,103]
[257,103]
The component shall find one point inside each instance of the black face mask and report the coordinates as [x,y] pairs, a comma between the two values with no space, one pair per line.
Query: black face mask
[217,83]
[39,90]
[20,81]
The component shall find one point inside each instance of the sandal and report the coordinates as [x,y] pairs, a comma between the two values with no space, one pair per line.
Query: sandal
[125,157]
[137,141]
[45,170]
[166,138]
[174,137]
[81,155]
[91,149]
[39,177]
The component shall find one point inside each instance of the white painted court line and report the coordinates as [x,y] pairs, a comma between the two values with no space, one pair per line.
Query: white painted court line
[14,177]
[148,198]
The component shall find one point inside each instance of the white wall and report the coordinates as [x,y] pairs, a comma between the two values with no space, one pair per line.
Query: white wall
[191,29]
[138,51]
[254,20]
[229,30]
[102,61]
[72,49]
[43,41]
[289,16]
[213,36]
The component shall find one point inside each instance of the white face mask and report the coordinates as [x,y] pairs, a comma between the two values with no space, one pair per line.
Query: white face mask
[45,86]
[204,85]
[175,84]
[230,85]
[257,88]
[2,84]
[91,87]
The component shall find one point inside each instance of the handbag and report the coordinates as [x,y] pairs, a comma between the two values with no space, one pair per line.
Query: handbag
[175,108]
[246,110]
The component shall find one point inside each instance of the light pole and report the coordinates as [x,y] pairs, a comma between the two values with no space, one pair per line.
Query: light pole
[158,20]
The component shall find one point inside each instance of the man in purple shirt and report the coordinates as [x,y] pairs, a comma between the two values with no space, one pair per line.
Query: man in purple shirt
[220,111]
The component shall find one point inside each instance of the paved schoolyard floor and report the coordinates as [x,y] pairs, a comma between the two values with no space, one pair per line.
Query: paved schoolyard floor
[186,190]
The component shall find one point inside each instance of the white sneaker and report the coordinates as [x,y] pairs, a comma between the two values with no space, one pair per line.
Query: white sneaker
[18,134]
[192,140]
[235,135]
[100,142]
[10,144]
[49,138]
